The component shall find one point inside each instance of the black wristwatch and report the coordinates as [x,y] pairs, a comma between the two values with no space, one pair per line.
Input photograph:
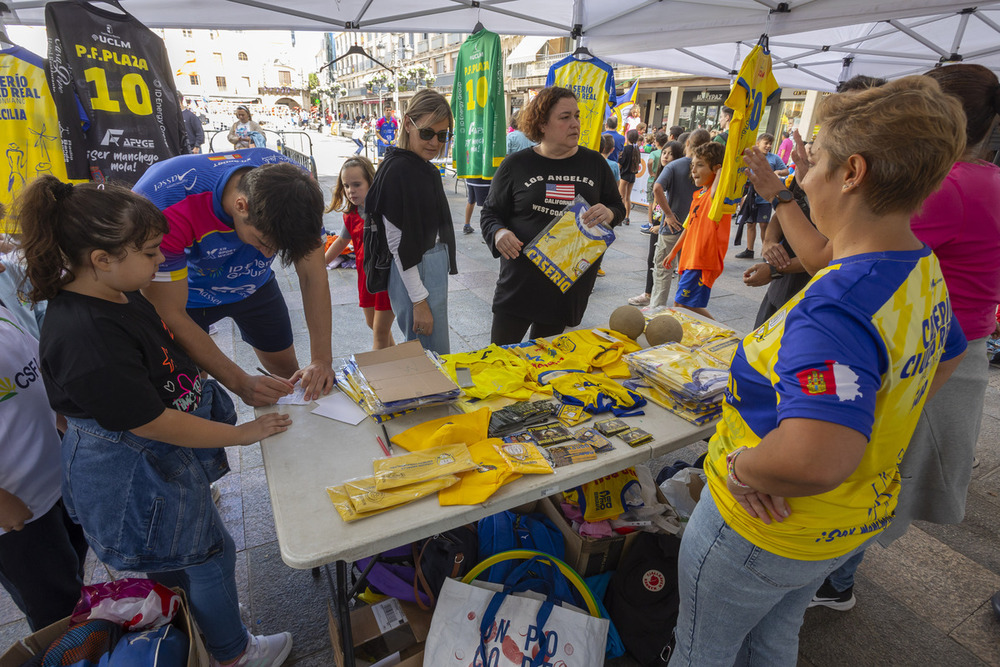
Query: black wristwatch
[783,197]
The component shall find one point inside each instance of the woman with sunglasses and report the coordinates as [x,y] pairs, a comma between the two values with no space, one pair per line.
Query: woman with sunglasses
[407,199]
[529,189]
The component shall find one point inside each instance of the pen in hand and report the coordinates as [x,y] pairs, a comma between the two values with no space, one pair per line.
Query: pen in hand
[264,372]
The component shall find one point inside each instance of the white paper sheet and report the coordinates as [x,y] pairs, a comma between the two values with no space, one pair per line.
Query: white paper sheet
[297,397]
[340,407]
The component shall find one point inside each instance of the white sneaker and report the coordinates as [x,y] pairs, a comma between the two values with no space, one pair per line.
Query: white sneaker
[264,651]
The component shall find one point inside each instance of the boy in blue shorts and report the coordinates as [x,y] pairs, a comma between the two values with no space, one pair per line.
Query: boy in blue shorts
[702,245]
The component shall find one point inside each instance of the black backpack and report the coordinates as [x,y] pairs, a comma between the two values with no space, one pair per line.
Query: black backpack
[642,598]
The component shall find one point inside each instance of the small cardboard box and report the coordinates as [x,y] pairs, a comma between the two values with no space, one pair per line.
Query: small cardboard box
[587,555]
[39,641]
[381,631]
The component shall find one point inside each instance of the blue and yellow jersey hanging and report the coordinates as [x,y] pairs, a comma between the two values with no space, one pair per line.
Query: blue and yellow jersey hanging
[754,88]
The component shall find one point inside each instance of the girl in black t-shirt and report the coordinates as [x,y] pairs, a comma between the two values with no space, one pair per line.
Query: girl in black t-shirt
[145,434]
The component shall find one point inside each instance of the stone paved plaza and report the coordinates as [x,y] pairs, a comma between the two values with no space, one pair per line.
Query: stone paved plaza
[924,601]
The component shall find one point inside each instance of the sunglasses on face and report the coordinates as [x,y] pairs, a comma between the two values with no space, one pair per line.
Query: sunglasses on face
[427,134]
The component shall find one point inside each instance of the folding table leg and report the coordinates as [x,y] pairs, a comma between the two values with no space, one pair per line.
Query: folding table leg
[341,597]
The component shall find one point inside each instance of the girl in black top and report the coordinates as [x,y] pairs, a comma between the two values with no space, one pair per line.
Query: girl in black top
[518,208]
[144,435]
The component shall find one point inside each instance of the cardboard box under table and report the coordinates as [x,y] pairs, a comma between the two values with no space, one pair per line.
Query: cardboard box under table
[40,641]
[587,555]
[391,632]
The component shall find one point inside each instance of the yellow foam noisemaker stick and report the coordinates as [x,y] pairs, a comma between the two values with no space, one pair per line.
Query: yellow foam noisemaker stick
[420,466]
[366,498]
[524,554]
[342,502]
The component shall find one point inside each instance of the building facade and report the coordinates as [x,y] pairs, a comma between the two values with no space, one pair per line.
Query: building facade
[217,70]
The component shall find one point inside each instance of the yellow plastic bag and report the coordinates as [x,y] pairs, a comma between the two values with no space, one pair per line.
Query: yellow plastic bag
[475,486]
[607,497]
[464,428]
[420,466]
[366,498]
[341,501]
[523,457]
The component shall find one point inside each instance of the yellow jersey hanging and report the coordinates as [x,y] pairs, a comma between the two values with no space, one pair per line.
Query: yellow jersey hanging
[754,88]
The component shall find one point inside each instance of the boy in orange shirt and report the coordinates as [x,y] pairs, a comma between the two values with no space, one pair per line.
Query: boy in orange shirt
[703,243]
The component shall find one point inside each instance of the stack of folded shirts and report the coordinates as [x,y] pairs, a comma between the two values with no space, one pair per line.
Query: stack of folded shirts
[687,381]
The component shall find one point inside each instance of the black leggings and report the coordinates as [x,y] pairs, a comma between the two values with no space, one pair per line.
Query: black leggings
[653,239]
[510,329]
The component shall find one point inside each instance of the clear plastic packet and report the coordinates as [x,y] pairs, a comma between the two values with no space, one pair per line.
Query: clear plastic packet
[366,498]
[420,466]
[566,248]
[524,457]
[342,502]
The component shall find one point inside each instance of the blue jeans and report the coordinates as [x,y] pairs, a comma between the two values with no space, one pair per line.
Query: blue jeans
[739,604]
[211,592]
[361,146]
[433,268]
[843,577]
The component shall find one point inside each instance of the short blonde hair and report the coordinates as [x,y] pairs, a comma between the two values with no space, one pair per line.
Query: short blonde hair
[426,108]
[908,132]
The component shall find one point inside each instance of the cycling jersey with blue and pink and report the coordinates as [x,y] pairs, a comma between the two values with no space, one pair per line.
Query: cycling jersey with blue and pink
[201,246]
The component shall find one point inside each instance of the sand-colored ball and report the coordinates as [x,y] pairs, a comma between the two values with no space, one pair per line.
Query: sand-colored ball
[664,329]
[627,320]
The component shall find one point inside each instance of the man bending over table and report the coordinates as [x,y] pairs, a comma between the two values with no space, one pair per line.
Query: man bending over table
[229,215]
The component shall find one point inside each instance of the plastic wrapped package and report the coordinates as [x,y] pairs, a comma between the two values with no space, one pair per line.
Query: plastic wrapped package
[366,498]
[421,466]
[342,502]
[696,375]
[567,248]
[523,457]
[696,331]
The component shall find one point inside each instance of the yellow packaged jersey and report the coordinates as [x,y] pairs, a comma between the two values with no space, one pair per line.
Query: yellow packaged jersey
[752,91]
[29,126]
[593,82]
[567,248]
[858,347]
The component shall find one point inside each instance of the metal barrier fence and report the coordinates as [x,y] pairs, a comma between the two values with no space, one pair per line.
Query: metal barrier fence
[296,146]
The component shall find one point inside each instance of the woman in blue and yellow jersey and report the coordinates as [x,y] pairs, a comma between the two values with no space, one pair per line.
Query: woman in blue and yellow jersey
[530,188]
[824,397]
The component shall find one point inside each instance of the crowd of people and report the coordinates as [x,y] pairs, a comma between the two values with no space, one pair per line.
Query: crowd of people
[875,344]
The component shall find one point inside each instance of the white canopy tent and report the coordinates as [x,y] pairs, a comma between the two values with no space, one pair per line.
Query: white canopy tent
[810,39]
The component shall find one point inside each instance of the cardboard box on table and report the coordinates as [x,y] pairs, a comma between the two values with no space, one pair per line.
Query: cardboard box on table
[383,630]
[40,641]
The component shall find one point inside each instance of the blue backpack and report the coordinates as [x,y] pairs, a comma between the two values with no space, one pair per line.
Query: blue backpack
[508,530]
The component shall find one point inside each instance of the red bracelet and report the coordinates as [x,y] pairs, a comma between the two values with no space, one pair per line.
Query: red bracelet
[731,468]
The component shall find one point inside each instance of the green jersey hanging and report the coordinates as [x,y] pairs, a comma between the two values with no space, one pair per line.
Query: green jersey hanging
[477,102]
